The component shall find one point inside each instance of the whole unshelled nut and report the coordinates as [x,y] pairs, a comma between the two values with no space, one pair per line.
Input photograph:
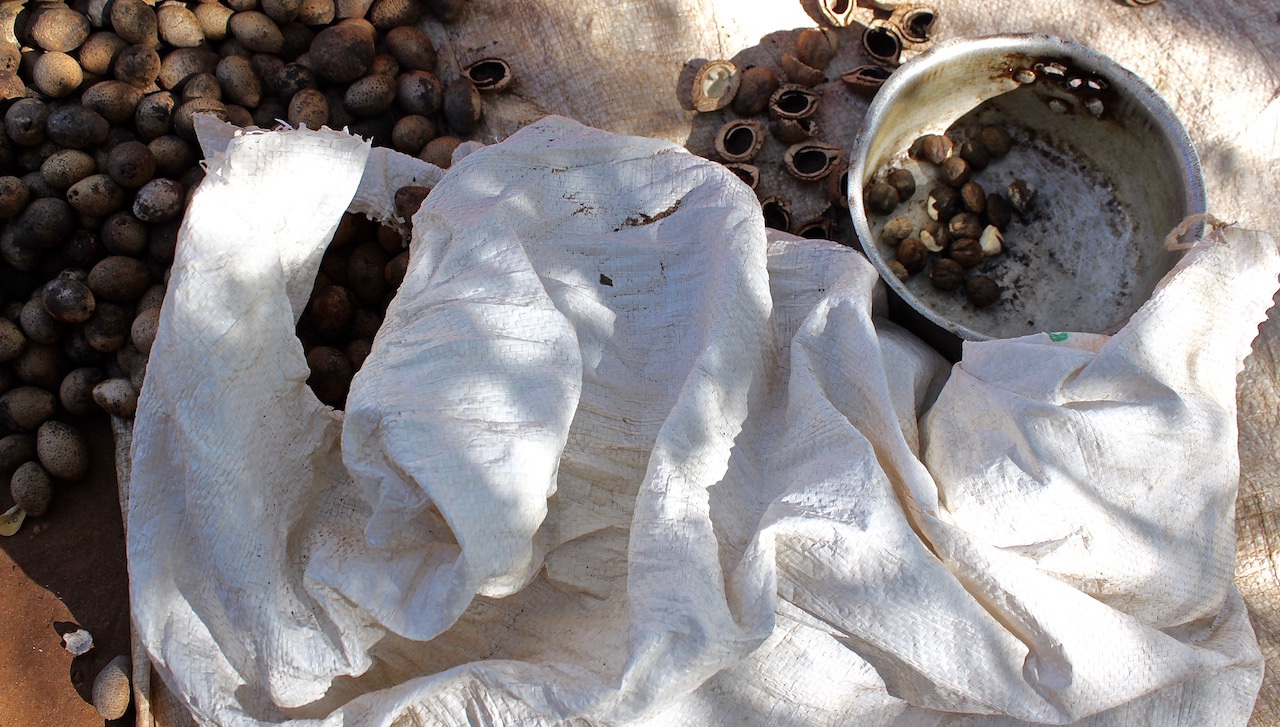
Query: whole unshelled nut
[955,172]
[981,291]
[896,230]
[912,254]
[946,274]
[999,211]
[976,154]
[996,140]
[933,148]
[966,251]
[903,181]
[974,197]
[881,198]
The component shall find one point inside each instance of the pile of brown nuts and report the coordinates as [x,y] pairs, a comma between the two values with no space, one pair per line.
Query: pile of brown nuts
[98,159]
[360,272]
[966,223]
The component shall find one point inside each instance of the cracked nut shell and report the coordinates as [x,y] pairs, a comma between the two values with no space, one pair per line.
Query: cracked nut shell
[789,131]
[739,140]
[490,75]
[799,72]
[866,80]
[755,86]
[965,224]
[810,161]
[792,101]
[714,85]
[816,47]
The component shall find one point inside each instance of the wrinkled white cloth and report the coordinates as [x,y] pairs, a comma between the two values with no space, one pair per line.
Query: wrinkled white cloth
[620,455]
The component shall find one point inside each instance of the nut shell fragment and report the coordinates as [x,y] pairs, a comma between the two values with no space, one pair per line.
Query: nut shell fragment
[715,85]
[789,131]
[797,71]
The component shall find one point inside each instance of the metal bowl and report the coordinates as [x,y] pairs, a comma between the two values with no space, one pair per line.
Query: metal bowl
[1114,169]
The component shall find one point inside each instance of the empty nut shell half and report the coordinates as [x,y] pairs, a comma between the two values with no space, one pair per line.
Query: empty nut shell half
[916,24]
[789,131]
[740,140]
[748,173]
[866,80]
[715,85]
[810,161]
[489,75]
[793,101]
[799,72]
[882,42]
[777,213]
[819,228]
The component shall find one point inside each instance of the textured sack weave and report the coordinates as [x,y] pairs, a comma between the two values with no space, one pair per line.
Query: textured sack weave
[618,456]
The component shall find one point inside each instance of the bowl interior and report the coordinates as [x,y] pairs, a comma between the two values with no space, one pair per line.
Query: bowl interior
[1113,168]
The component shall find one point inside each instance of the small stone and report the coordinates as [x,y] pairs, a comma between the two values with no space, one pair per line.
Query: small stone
[77,642]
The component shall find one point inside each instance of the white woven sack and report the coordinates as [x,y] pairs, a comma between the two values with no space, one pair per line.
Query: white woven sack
[618,455]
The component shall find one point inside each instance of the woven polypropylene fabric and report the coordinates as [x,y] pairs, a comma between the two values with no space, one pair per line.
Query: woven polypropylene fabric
[619,456]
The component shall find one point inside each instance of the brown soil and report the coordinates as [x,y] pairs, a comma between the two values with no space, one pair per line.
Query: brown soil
[60,572]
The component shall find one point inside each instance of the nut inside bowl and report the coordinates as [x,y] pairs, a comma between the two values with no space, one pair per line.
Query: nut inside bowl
[1114,169]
